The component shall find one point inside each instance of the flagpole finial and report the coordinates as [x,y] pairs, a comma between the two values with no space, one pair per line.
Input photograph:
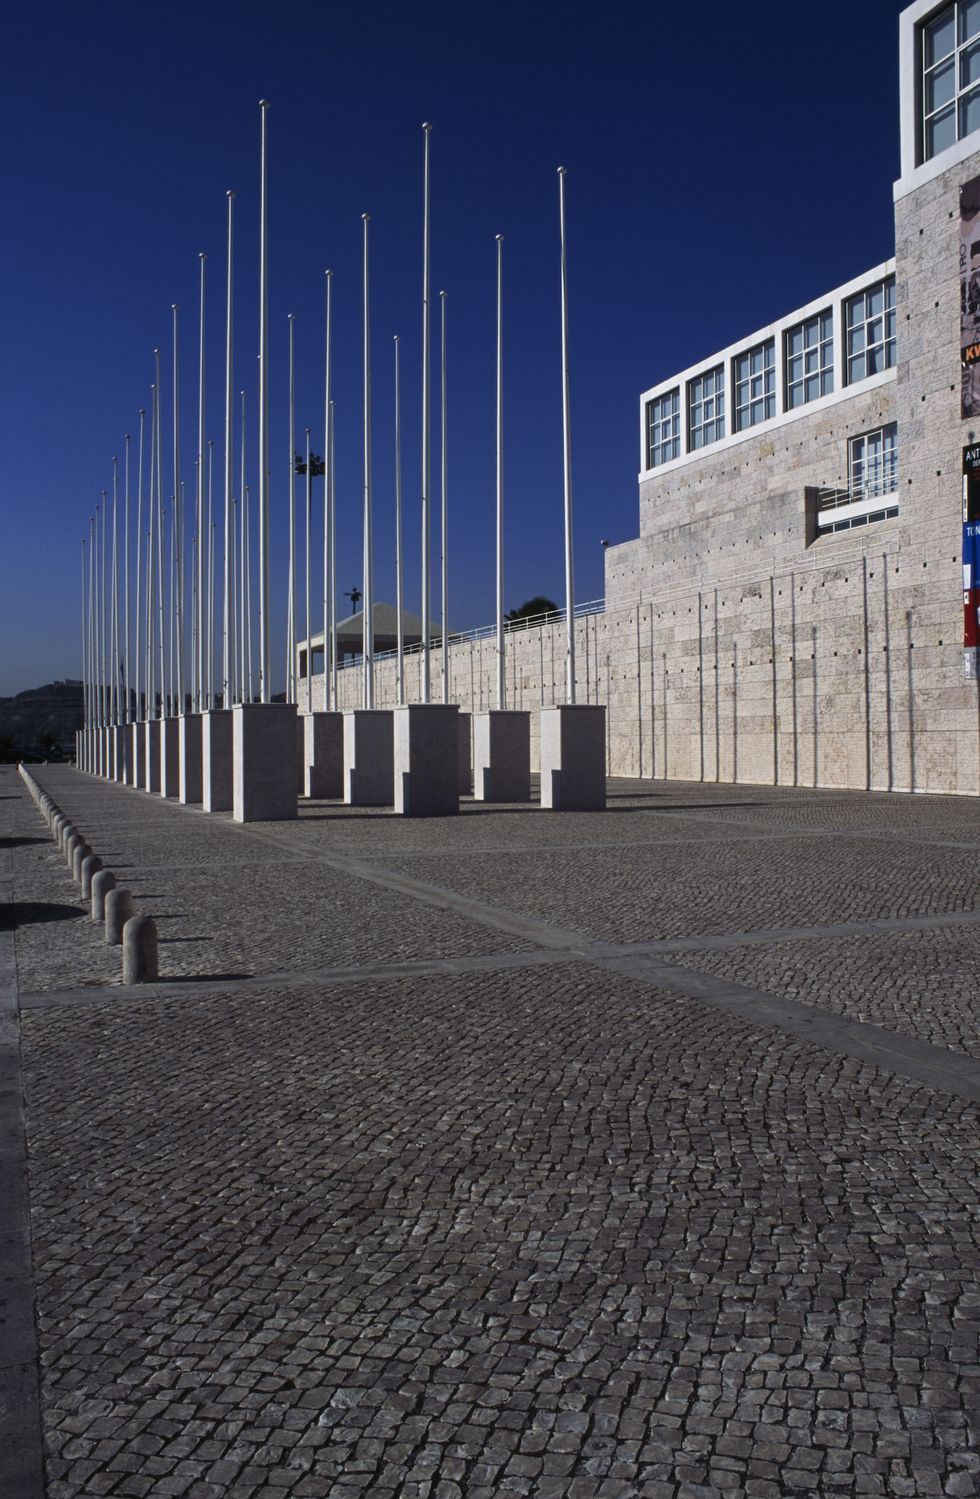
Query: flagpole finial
[230,193]
[500,239]
[174,307]
[561,171]
[365,217]
[426,126]
[142,411]
[263,104]
[202,255]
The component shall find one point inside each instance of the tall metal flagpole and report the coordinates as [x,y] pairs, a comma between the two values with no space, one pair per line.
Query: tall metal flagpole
[138,674]
[332,471]
[399,593]
[228,612]
[264,659]
[160,547]
[444,487]
[114,629]
[201,549]
[84,642]
[103,613]
[177,530]
[501,673]
[234,689]
[566,415]
[291,590]
[367,633]
[328,601]
[426,418]
[126,615]
[209,612]
[245,620]
[150,674]
[92,699]
[309,617]
[248,599]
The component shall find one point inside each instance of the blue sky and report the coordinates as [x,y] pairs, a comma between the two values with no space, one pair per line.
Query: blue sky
[725,164]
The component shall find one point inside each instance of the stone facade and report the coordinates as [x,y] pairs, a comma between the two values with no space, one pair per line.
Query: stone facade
[739,646]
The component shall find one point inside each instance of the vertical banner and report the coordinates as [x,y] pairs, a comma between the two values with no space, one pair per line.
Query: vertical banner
[970,298]
[971,559]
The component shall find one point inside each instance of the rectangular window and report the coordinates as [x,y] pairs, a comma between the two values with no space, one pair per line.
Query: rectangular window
[810,360]
[755,385]
[872,463]
[950,76]
[663,428]
[706,408]
[870,321]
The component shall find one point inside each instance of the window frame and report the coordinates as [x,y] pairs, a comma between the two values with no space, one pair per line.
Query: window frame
[698,435]
[673,417]
[823,322]
[888,342]
[951,106]
[742,411]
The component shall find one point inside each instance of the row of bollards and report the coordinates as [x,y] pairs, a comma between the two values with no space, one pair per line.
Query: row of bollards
[110,904]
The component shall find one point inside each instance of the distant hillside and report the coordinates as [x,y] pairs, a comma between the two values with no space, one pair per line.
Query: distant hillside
[41,722]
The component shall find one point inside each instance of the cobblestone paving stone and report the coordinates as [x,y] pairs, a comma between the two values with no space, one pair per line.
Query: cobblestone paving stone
[924,984]
[550,1232]
[541,1236]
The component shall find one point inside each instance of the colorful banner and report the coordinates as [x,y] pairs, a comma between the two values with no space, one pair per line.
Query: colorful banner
[970,298]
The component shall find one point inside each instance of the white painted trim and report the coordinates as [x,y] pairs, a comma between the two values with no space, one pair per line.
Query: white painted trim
[828,518]
[915,172]
[774,424]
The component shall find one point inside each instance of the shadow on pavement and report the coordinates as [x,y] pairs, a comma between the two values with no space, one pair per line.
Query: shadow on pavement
[27,912]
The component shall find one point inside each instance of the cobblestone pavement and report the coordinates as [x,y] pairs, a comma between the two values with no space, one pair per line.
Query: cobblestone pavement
[525,1216]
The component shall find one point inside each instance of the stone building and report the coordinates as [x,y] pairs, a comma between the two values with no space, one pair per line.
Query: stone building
[792,610]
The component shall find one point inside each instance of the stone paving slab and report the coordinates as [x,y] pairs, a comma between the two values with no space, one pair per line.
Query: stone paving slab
[525,1209]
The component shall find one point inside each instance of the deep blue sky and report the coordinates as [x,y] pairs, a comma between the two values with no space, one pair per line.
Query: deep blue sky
[725,164]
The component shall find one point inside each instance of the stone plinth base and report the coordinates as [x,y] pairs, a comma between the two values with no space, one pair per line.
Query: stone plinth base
[427,760]
[120,753]
[137,754]
[151,755]
[169,757]
[100,751]
[217,773]
[573,758]
[300,755]
[465,753]
[189,757]
[368,765]
[323,757]
[264,755]
[502,756]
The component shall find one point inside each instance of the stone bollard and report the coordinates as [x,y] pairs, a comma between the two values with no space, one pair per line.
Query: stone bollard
[80,852]
[88,868]
[118,910]
[140,950]
[102,882]
[72,840]
[57,823]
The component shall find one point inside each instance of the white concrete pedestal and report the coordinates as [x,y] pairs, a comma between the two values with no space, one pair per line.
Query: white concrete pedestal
[465,753]
[323,757]
[427,760]
[573,757]
[100,751]
[151,755]
[120,758]
[264,758]
[300,755]
[368,762]
[217,765]
[169,757]
[189,732]
[137,754]
[502,756]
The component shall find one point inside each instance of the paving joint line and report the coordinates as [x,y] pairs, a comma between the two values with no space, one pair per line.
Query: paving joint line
[937,1067]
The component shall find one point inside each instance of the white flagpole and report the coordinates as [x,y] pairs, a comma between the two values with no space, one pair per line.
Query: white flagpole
[139,562]
[244,620]
[160,547]
[228,611]
[92,702]
[309,617]
[195,677]
[426,419]
[399,594]
[234,678]
[209,582]
[567,444]
[114,630]
[150,674]
[126,617]
[84,641]
[444,487]
[248,599]
[201,549]
[264,662]
[328,700]
[103,614]
[367,633]
[333,562]
[177,532]
[501,673]
[291,590]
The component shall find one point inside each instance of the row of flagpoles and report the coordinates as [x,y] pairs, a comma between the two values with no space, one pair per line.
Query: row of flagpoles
[134,614]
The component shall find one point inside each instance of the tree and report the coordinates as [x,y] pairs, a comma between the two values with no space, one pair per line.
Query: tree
[533,607]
